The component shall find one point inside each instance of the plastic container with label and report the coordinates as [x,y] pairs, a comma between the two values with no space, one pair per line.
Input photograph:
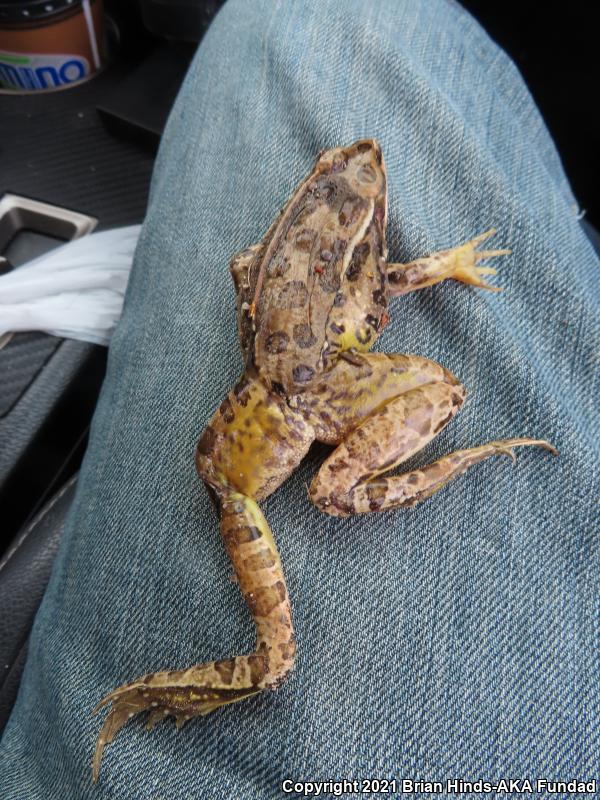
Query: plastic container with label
[47,45]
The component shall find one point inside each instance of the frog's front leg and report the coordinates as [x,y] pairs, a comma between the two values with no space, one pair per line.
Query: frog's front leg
[351,480]
[459,264]
[251,445]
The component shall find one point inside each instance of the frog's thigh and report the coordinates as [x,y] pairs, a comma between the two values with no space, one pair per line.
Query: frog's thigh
[391,434]
[355,388]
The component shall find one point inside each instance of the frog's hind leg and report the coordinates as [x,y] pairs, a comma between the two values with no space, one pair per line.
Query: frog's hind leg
[201,689]
[459,263]
[351,480]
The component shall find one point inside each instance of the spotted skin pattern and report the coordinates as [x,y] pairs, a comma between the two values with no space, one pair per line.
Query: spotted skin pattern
[312,299]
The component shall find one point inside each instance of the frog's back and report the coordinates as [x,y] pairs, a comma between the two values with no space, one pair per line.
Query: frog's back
[318,286]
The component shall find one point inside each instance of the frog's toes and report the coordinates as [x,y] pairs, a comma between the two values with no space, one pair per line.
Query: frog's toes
[127,701]
[466,269]
[505,450]
[183,695]
[506,446]
[130,700]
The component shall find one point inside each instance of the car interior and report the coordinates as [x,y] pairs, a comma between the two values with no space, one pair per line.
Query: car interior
[76,156]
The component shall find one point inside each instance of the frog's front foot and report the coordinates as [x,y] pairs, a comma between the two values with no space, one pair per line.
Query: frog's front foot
[181,694]
[459,263]
[466,258]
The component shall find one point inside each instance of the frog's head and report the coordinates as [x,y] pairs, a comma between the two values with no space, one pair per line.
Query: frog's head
[361,165]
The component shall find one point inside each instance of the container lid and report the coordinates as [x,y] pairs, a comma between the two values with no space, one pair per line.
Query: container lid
[24,12]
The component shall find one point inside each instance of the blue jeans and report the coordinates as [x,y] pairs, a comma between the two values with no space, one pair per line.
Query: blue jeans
[455,640]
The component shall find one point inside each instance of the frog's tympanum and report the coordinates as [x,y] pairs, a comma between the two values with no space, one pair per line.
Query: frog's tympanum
[312,299]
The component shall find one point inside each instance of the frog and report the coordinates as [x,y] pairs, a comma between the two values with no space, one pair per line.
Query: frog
[312,299]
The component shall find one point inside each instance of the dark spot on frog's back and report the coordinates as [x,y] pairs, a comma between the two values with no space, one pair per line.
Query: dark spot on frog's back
[379,297]
[277,342]
[304,240]
[293,295]
[303,335]
[339,300]
[349,212]
[302,373]
[359,256]
[325,189]
[330,280]
[278,266]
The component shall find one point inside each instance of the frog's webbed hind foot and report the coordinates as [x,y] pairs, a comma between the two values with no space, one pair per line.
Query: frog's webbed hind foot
[183,694]
[459,264]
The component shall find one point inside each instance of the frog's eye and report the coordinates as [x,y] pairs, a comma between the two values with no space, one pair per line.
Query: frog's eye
[366,174]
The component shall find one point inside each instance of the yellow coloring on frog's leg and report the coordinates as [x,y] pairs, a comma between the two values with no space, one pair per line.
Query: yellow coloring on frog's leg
[251,444]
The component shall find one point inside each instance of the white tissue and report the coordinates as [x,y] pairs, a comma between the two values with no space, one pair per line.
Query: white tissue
[74,291]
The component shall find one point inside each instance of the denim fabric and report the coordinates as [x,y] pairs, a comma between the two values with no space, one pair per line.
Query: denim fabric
[457,639]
